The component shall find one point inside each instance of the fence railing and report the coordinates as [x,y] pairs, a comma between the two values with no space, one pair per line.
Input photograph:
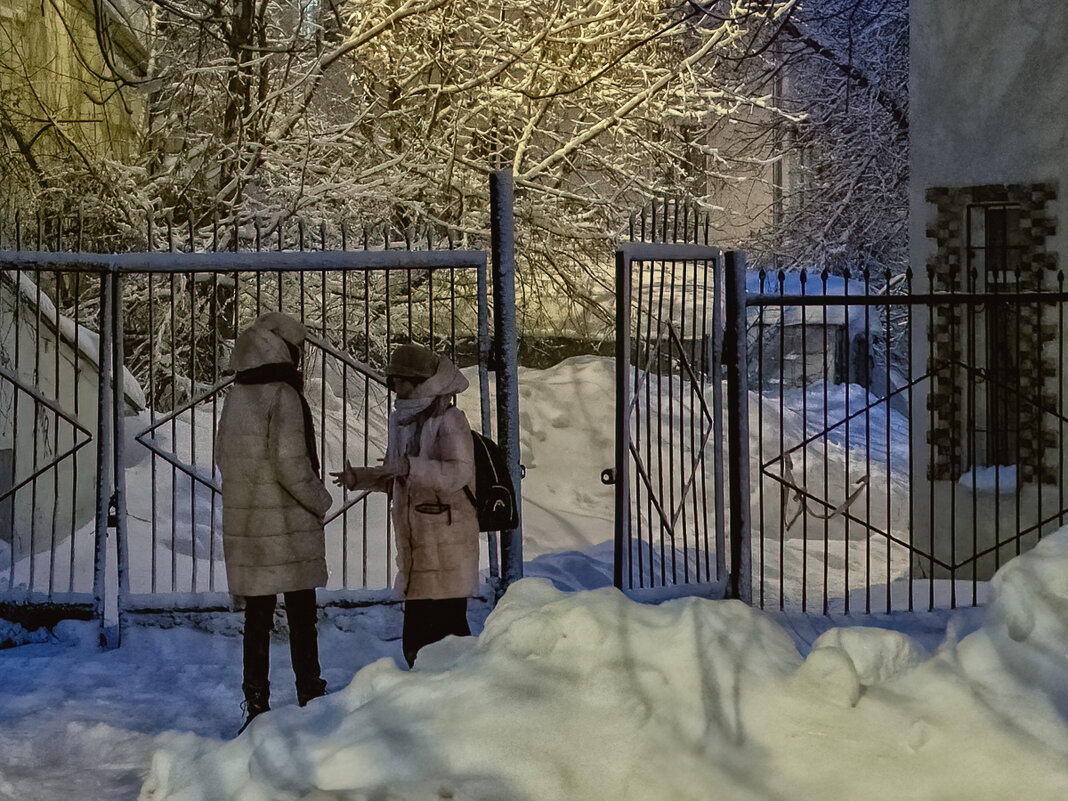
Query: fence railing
[884,478]
[888,447]
[109,496]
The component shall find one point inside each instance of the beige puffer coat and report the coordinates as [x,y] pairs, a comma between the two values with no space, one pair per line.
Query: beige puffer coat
[435,523]
[273,502]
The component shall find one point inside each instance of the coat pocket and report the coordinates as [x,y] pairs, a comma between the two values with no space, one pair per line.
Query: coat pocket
[435,508]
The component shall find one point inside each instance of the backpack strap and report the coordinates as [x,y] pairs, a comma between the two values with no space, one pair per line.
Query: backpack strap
[470,496]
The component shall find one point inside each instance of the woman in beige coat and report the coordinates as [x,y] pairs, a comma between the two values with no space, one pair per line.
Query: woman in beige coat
[273,503]
[429,462]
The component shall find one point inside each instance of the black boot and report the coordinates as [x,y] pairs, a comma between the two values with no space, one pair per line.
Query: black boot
[256,658]
[309,689]
[257,701]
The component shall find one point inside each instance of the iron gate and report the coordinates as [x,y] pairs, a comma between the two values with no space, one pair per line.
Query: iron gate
[49,447]
[671,471]
[901,468]
[441,300]
[133,524]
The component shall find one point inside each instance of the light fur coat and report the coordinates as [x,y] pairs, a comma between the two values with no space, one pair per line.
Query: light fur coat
[273,502]
[435,524]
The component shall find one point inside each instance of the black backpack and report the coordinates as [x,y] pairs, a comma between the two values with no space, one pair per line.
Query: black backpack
[494,494]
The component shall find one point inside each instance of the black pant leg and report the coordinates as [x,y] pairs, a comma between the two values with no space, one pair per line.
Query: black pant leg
[259,620]
[302,614]
[456,612]
[415,633]
[428,620]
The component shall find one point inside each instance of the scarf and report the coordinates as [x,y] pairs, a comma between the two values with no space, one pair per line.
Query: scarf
[286,373]
[406,422]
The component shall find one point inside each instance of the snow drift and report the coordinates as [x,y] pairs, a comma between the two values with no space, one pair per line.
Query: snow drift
[590,695]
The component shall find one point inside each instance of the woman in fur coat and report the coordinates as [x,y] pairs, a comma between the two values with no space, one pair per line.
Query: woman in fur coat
[429,462]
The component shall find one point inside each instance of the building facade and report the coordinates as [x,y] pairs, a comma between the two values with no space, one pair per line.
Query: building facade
[989,163]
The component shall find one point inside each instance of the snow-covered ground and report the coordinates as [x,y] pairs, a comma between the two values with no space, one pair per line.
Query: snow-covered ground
[569,691]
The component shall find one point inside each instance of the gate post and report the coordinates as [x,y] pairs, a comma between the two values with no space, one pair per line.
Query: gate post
[621,561]
[485,357]
[741,576]
[103,441]
[118,413]
[502,200]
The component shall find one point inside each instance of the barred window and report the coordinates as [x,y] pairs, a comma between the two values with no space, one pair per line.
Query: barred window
[996,249]
[989,395]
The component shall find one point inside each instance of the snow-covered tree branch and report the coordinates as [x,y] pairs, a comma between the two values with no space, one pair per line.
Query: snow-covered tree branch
[783,119]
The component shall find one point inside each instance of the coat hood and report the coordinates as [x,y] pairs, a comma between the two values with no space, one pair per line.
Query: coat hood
[267,341]
[447,380]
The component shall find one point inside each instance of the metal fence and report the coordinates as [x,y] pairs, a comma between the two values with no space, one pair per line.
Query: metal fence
[915,446]
[887,446]
[109,497]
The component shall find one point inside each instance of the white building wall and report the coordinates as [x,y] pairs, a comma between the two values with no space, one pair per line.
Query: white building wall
[988,105]
[988,100]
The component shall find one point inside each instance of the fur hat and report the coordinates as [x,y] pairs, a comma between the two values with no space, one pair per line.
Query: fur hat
[412,361]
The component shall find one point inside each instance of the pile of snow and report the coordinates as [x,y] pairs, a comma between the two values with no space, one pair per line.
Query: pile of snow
[13,635]
[590,695]
[567,437]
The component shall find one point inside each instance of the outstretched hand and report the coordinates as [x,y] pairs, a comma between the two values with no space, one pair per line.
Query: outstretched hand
[346,478]
[367,477]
